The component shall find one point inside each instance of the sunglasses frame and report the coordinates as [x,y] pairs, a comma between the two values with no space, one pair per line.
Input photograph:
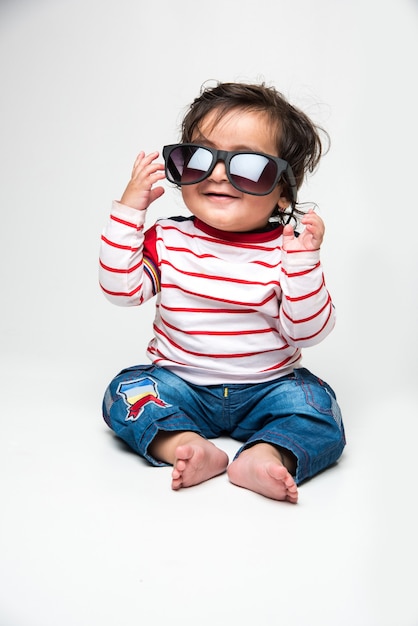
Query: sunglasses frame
[283,167]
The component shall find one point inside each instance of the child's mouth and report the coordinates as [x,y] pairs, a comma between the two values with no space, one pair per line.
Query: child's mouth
[213,194]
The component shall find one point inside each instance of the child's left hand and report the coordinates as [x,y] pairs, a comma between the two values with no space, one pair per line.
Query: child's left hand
[310,238]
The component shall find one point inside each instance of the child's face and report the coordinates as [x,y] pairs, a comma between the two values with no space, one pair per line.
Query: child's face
[214,200]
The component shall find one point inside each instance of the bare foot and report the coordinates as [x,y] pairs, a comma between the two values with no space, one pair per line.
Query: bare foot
[260,469]
[195,461]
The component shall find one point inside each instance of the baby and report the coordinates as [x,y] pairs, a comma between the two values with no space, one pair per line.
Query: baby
[238,294]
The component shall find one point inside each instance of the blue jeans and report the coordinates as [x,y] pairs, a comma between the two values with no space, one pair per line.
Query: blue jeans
[298,412]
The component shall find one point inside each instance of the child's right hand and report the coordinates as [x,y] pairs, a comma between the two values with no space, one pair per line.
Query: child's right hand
[146,172]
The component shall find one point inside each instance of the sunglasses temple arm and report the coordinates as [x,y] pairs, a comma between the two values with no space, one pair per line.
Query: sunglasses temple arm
[292,182]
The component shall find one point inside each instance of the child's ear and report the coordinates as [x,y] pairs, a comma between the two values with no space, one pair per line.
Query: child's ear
[283,203]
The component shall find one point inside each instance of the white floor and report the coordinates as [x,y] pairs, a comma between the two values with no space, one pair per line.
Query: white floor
[90,535]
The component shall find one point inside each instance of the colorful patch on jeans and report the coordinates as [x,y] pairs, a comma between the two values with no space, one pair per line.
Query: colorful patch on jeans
[137,394]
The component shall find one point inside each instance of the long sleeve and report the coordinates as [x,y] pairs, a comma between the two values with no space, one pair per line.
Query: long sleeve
[231,307]
[126,277]
[307,314]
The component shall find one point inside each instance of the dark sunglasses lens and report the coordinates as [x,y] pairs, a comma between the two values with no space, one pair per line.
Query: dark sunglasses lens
[253,173]
[188,164]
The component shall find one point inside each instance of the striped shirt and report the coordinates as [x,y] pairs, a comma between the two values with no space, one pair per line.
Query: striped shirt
[230,307]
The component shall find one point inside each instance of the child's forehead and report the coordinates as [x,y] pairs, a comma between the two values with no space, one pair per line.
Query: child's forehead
[237,129]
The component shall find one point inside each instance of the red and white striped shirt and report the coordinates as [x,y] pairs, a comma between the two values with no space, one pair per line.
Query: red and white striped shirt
[230,307]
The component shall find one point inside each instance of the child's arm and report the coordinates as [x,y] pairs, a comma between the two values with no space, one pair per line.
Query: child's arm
[307,314]
[127,277]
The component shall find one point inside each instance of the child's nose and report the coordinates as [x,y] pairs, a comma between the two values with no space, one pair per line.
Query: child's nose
[219,172]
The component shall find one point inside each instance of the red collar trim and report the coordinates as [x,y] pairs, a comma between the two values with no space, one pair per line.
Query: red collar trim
[252,237]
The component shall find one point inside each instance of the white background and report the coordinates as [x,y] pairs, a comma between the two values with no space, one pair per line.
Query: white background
[89,533]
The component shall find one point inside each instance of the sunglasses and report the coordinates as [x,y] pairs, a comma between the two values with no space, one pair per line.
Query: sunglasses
[250,172]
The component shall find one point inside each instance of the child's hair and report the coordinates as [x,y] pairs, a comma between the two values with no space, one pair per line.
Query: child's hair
[297,138]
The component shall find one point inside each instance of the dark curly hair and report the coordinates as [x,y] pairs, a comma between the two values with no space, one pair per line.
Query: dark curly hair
[297,138]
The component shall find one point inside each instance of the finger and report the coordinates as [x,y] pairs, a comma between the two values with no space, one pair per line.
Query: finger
[138,160]
[312,240]
[288,236]
[145,159]
[156,176]
[310,218]
[288,231]
[147,175]
[149,158]
[156,193]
